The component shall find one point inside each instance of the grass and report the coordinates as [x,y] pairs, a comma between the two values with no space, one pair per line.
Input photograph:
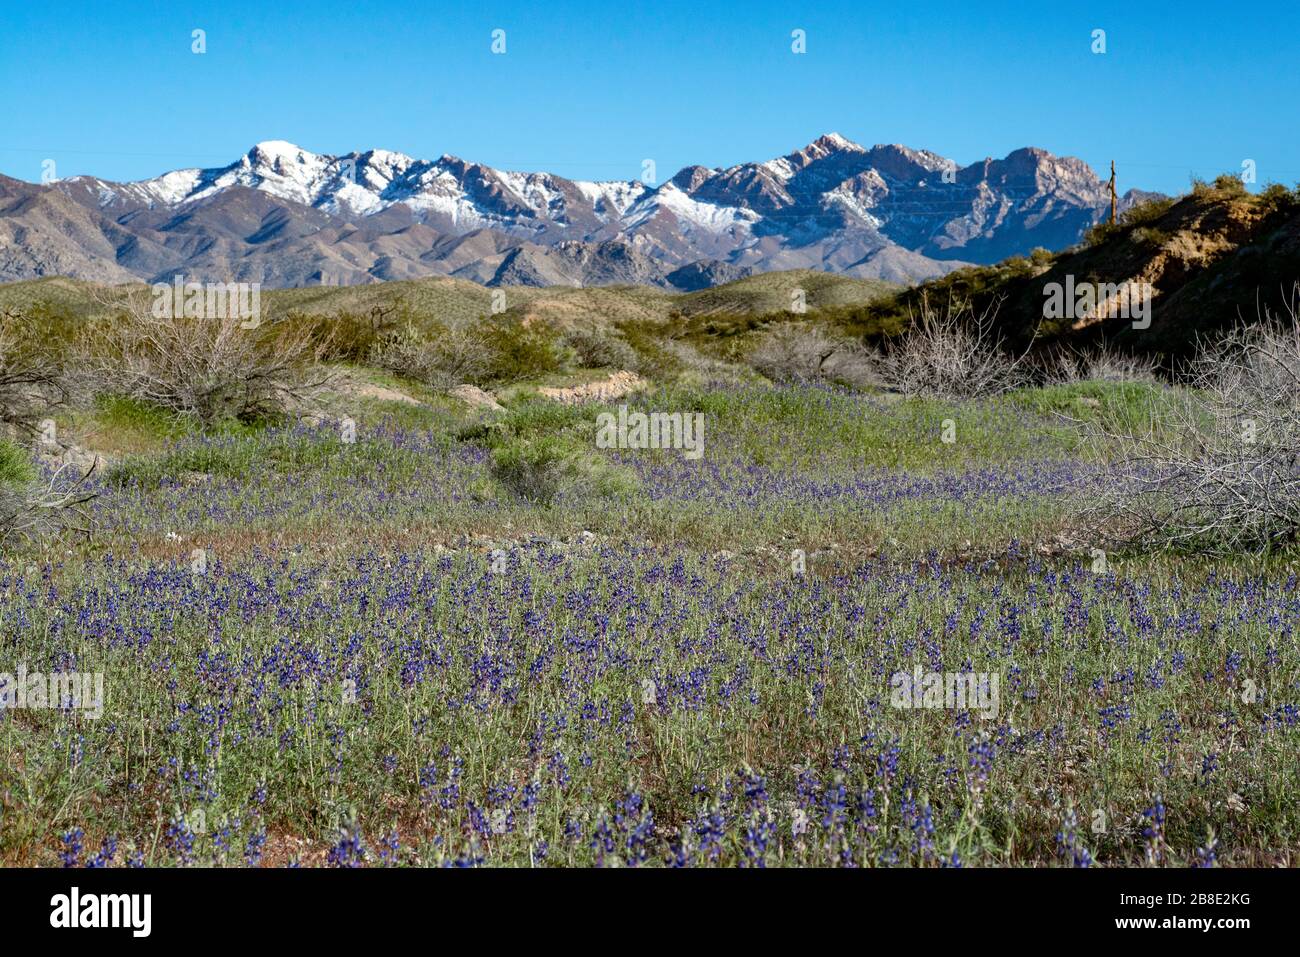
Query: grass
[537,469]
[16,467]
[702,722]
[480,639]
[818,465]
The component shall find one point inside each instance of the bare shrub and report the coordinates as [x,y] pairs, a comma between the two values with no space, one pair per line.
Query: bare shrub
[209,368]
[32,511]
[1217,467]
[678,356]
[807,352]
[953,353]
[1101,363]
[32,382]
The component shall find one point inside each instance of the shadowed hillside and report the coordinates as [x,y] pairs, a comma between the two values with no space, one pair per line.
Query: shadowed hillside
[1214,257]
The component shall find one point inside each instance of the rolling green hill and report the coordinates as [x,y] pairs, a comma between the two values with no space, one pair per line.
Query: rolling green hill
[457,300]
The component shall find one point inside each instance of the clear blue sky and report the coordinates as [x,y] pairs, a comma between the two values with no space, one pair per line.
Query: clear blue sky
[589,90]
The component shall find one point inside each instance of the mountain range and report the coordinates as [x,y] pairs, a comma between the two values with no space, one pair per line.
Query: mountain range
[284,216]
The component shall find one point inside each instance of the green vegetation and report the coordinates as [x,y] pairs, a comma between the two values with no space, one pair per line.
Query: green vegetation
[16,467]
[422,631]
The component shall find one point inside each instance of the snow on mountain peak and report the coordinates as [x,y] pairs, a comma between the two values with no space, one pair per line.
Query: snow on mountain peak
[174,187]
[273,150]
[829,205]
[829,187]
[833,142]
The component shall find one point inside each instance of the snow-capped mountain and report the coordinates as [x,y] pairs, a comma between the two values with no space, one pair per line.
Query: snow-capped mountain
[289,216]
[449,193]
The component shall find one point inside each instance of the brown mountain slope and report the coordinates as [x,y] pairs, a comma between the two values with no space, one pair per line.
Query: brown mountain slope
[1212,258]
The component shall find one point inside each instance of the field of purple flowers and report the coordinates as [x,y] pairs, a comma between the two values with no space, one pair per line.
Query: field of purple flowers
[385,657]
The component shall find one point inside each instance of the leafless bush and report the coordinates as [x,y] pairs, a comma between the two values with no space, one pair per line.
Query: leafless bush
[29,513]
[953,353]
[1101,363]
[806,352]
[693,361]
[441,357]
[209,368]
[31,376]
[1215,469]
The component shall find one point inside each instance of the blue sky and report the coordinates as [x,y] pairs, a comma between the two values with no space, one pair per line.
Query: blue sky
[589,90]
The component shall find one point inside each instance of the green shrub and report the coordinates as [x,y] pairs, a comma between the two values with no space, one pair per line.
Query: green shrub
[1146,212]
[1275,196]
[1144,236]
[1230,183]
[1225,184]
[16,466]
[596,349]
[519,351]
[1098,233]
[54,326]
[652,358]
[346,337]
[538,469]
[497,350]
[31,372]
[434,354]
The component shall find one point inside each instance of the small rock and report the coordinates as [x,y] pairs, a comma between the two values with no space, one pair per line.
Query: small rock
[473,395]
[73,458]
